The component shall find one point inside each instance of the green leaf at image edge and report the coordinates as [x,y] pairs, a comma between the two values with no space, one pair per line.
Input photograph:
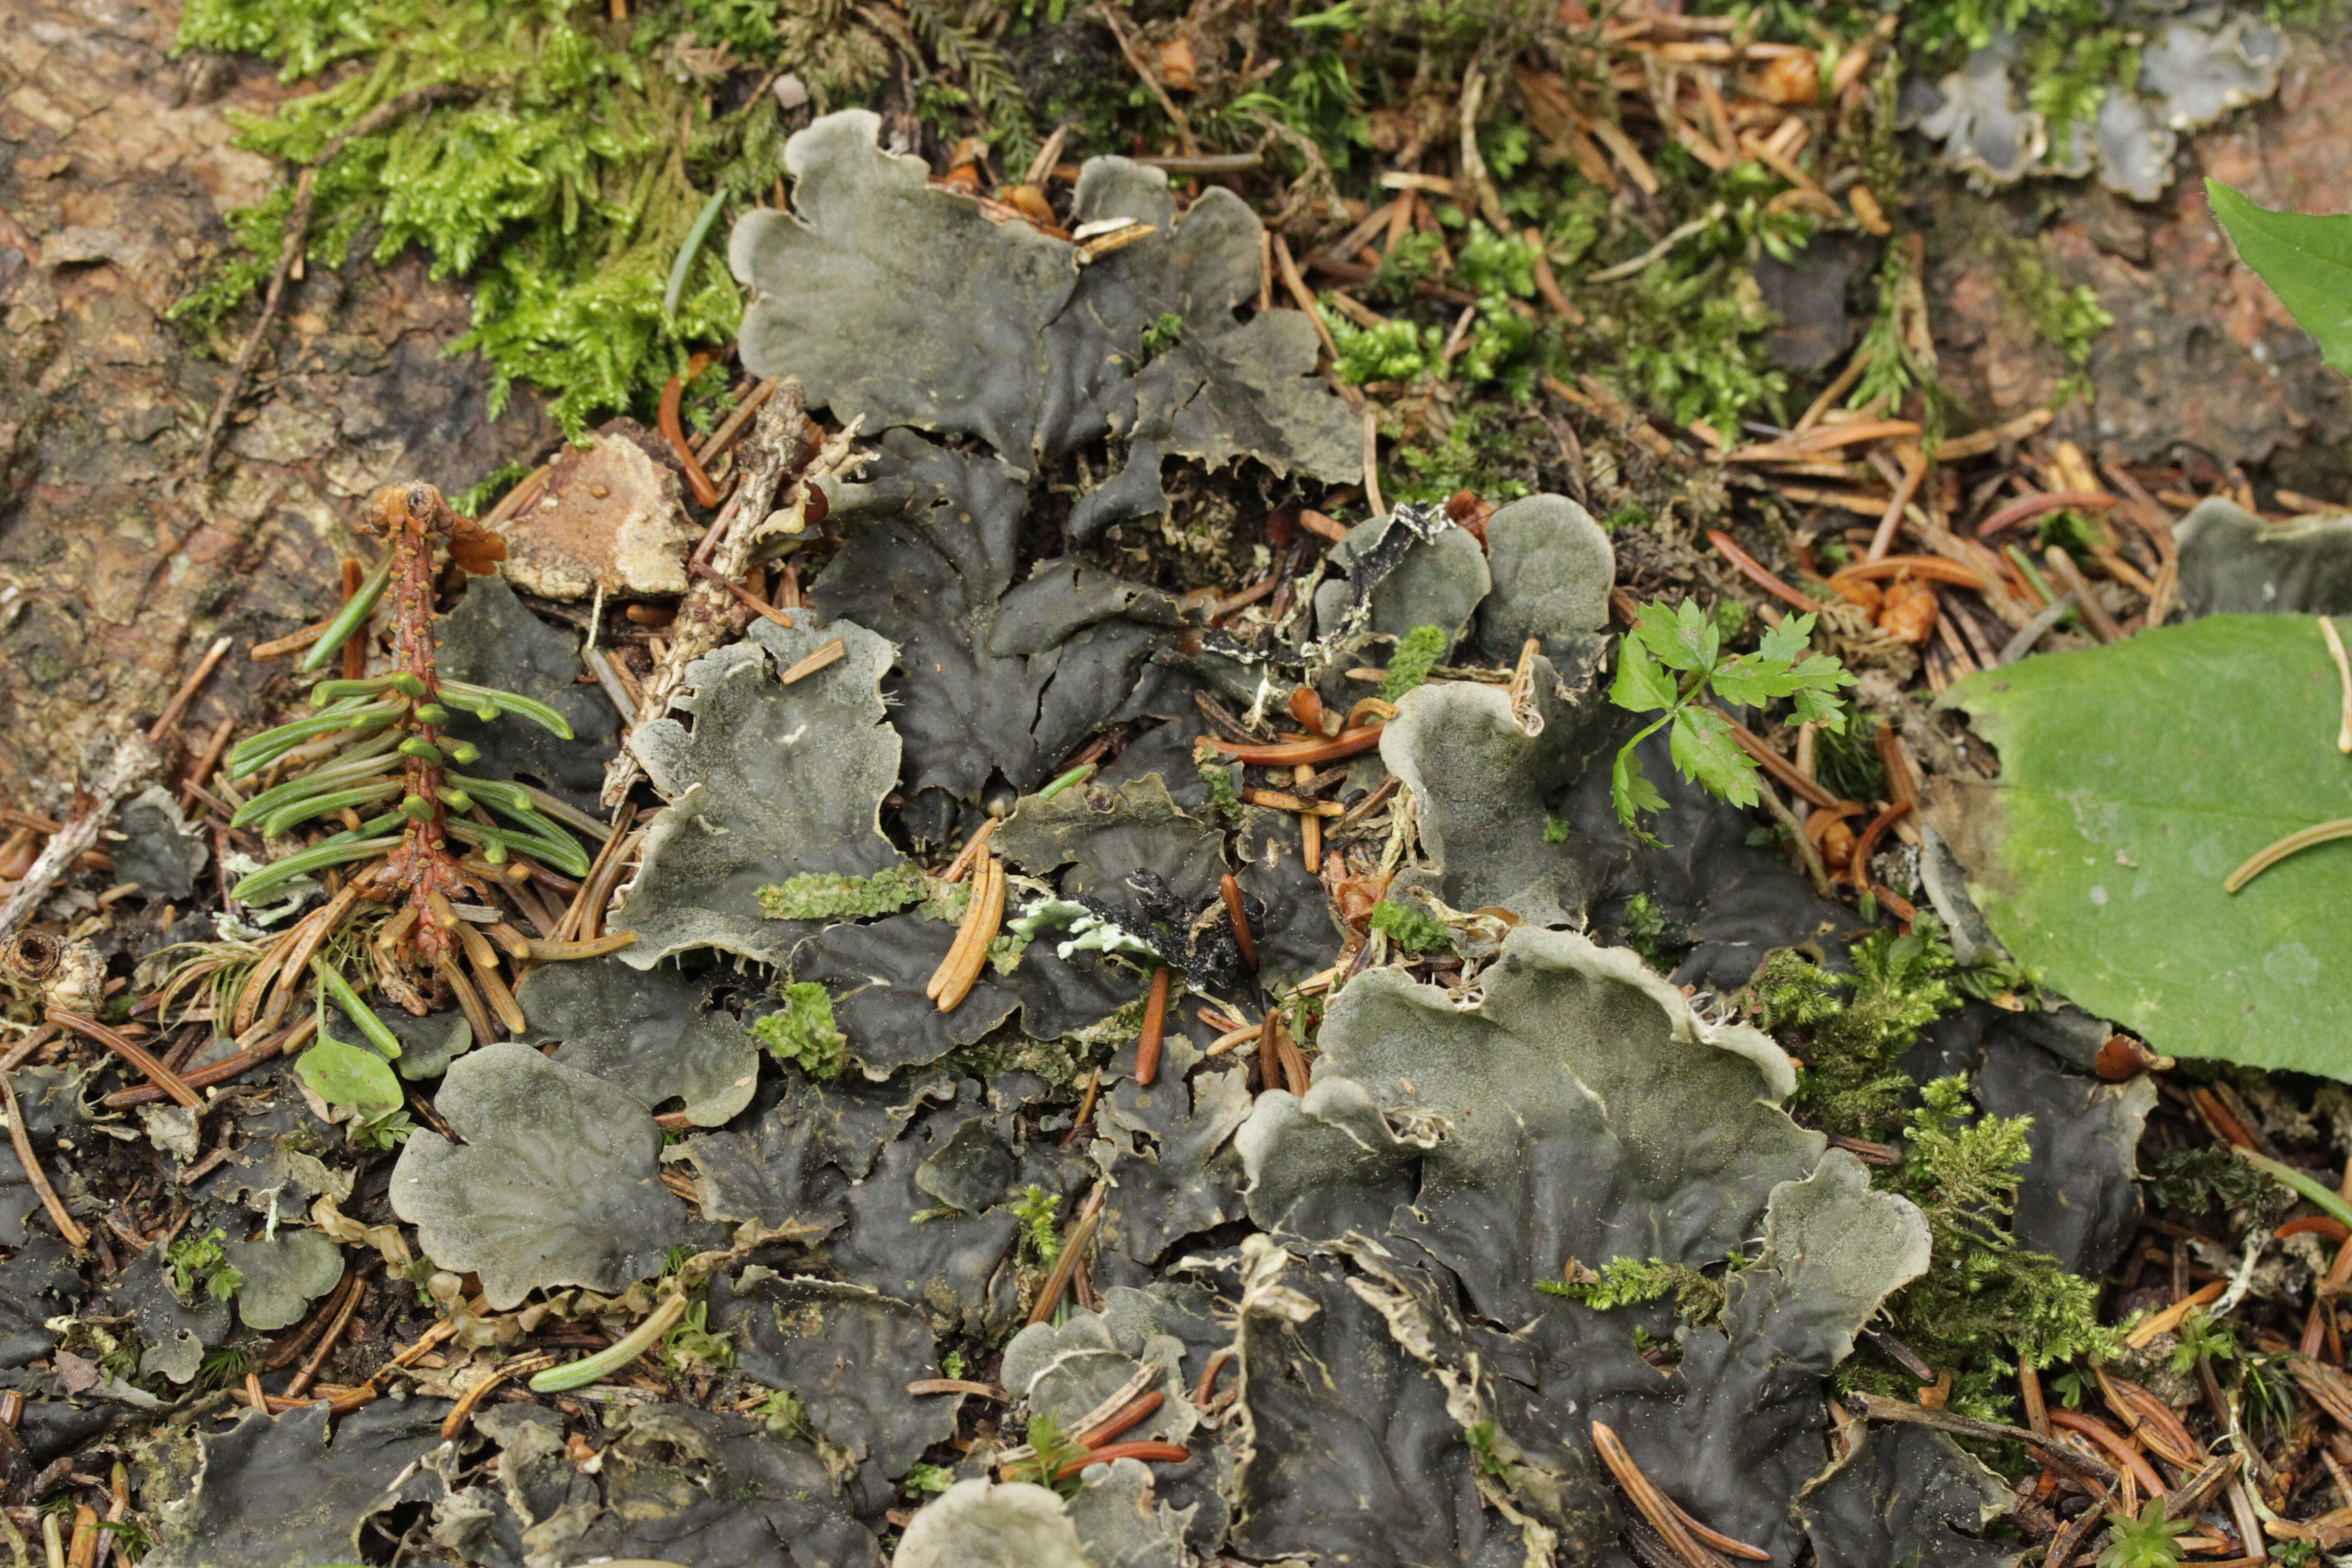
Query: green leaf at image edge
[2306,258]
[2134,778]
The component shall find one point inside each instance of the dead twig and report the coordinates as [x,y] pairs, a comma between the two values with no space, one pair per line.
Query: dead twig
[134,766]
[1133,50]
[782,443]
[2093,1472]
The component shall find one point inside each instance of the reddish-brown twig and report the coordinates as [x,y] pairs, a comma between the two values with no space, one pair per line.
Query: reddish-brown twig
[706,494]
[1150,1453]
[1230,890]
[1289,753]
[1073,1245]
[2034,506]
[1155,1026]
[1868,845]
[355,1288]
[1756,571]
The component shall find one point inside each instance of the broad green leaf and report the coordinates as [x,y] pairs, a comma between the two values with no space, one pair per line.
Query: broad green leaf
[2134,778]
[342,1074]
[1704,750]
[1643,683]
[2306,258]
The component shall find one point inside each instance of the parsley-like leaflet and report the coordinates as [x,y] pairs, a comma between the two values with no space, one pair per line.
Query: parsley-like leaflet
[1673,661]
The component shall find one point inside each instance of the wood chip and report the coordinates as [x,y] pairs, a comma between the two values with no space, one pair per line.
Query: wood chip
[830,653]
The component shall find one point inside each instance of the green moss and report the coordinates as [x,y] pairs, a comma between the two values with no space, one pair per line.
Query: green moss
[1410,926]
[1852,1028]
[2202,1177]
[2067,317]
[1393,351]
[1847,761]
[1645,929]
[1162,335]
[1040,1214]
[1217,774]
[199,1264]
[1894,371]
[829,896]
[559,179]
[1985,1301]
[1405,266]
[1634,1282]
[1415,655]
[804,1032]
[1482,451]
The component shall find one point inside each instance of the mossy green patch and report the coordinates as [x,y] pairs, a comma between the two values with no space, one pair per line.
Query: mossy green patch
[804,1031]
[830,896]
[1852,1028]
[1415,655]
[1410,926]
[552,159]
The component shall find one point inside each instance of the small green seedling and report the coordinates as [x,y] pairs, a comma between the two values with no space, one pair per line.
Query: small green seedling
[1673,661]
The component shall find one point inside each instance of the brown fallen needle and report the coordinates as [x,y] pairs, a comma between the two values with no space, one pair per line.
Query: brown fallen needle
[1073,1246]
[1289,753]
[1691,1541]
[158,1075]
[20,1135]
[982,917]
[1230,890]
[1155,1028]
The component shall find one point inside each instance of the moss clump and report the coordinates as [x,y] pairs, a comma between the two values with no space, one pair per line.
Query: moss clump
[1217,774]
[1413,929]
[804,1031]
[1162,335]
[200,1265]
[1633,1281]
[1985,1300]
[560,172]
[1394,350]
[829,896]
[2068,318]
[1853,1028]
[1415,655]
